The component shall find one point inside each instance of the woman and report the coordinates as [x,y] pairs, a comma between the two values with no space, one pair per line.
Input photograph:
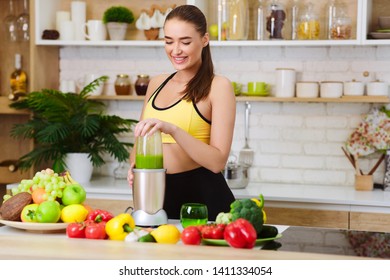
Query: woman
[195,111]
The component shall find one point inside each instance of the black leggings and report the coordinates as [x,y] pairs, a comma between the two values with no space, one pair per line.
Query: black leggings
[199,185]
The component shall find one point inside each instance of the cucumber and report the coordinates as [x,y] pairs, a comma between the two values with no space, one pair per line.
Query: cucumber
[147,238]
[268,232]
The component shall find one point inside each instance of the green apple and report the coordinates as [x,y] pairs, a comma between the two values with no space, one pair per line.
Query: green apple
[73,194]
[29,213]
[48,212]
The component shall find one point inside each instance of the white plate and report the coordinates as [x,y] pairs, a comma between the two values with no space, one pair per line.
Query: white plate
[35,226]
[380,35]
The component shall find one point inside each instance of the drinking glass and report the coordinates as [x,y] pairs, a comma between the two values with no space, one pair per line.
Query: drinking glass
[22,23]
[10,23]
[192,214]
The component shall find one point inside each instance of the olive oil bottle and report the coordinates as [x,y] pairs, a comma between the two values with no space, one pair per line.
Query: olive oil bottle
[18,79]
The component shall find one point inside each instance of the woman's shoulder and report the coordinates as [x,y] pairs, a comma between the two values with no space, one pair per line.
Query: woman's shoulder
[221,86]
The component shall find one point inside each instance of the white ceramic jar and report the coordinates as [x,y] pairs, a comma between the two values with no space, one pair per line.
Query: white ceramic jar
[285,82]
[353,88]
[307,89]
[331,89]
[377,88]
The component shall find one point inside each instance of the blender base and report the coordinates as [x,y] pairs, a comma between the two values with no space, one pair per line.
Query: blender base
[143,219]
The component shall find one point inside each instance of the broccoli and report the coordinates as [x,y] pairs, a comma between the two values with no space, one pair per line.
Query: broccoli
[223,218]
[248,209]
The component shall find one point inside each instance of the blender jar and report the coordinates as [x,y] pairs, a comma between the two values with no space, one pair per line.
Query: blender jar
[149,153]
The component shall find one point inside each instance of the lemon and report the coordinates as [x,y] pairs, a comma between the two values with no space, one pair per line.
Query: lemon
[168,234]
[74,213]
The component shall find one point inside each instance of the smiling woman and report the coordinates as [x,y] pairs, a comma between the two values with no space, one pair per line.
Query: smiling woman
[195,111]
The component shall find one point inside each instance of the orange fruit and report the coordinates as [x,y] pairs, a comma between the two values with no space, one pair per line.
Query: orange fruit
[39,195]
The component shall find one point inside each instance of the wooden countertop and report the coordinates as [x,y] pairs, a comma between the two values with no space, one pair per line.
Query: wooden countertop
[30,246]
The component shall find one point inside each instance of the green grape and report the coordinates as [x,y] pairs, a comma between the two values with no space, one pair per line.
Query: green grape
[49,187]
[6,196]
[61,185]
[53,193]
[14,191]
[59,193]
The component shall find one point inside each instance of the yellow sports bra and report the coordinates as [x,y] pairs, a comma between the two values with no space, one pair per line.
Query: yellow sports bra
[182,113]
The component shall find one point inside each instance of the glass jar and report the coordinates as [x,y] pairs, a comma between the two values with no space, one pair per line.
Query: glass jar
[122,170]
[122,84]
[309,25]
[238,20]
[275,20]
[141,84]
[259,21]
[341,27]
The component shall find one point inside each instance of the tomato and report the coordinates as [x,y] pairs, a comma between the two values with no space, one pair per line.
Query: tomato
[213,231]
[191,236]
[95,230]
[75,230]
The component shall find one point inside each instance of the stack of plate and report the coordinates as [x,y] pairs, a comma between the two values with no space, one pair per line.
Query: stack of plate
[384,29]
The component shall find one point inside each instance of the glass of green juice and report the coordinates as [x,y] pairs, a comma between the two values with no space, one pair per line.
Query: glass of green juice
[193,214]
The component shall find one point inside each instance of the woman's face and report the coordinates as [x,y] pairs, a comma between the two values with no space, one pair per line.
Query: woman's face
[183,44]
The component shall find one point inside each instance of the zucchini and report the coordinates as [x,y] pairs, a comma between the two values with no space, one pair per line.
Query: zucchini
[268,232]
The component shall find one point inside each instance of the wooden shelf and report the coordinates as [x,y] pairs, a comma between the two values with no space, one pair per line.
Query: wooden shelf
[6,110]
[117,97]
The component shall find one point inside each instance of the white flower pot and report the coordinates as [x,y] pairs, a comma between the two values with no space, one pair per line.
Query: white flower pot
[117,30]
[79,166]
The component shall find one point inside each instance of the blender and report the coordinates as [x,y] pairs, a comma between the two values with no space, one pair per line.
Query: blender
[149,182]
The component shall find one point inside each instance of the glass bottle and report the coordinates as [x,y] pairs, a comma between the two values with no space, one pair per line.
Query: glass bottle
[141,84]
[294,20]
[259,21]
[10,23]
[275,20]
[18,78]
[309,25]
[122,84]
[238,20]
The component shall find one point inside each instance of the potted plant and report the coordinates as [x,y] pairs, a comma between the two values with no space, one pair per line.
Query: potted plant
[117,19]
[68,123]
[370,137]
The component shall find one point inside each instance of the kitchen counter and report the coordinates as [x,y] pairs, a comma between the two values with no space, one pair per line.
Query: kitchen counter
[20,244]
[340,198]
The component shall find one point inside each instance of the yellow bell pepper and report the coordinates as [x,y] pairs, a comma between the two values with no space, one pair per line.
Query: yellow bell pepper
[120,226]
[260,204]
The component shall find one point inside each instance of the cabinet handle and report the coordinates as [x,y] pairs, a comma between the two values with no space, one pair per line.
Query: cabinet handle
[12,165]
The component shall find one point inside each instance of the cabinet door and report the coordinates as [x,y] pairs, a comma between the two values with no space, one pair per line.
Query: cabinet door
[370,221]
[11,149]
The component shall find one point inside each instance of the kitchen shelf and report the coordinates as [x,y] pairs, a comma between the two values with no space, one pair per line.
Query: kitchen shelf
[344,99]
[6,110]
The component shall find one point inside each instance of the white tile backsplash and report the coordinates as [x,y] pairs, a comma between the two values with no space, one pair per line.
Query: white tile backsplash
[293,142]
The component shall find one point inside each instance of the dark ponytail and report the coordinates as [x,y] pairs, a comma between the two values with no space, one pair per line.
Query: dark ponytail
[199,86]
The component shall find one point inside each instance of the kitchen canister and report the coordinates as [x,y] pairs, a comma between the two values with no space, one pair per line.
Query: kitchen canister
[331,89]
[285,82]
[354,88]
[78,17]
[307,89]
[377,88]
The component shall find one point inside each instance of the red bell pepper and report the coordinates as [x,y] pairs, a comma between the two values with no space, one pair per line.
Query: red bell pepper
[100,215]
[95,230]
[240,234]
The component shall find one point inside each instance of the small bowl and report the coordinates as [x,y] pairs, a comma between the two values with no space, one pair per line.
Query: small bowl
[384,22]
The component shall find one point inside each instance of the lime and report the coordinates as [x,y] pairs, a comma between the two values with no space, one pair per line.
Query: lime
[74,213]
[168,234]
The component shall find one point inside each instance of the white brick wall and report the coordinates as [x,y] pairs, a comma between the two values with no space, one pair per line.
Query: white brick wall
[293,142]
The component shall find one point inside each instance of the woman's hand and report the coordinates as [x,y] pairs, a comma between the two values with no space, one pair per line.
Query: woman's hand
[149,126]
[130,175]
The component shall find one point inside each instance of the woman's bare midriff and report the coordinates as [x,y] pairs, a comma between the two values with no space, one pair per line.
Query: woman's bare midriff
[176,160]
